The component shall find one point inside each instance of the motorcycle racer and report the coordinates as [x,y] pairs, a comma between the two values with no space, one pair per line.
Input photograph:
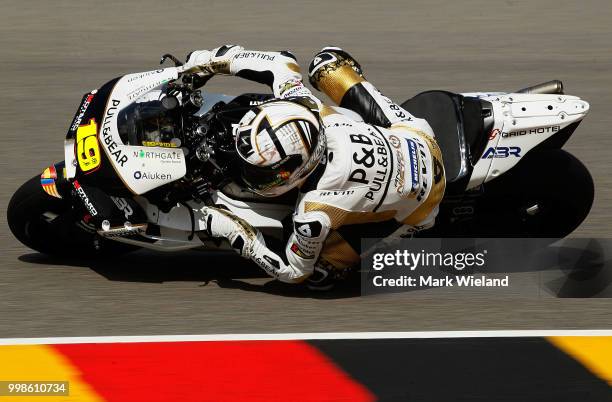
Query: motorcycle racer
[148,154]
[356,177]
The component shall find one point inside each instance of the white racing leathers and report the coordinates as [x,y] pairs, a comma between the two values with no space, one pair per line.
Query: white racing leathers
[278,70]
[386,170]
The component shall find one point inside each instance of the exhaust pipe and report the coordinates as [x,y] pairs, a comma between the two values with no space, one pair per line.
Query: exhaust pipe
[550,87]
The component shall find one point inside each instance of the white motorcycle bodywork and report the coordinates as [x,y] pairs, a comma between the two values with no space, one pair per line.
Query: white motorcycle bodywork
[522,121]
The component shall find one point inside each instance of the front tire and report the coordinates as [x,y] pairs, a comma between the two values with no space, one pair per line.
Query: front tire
[47,224]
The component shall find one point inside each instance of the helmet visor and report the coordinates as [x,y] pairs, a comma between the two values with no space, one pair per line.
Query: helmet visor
[261,178]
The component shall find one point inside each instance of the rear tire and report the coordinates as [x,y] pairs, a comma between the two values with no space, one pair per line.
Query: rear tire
[547,195]
[56,233]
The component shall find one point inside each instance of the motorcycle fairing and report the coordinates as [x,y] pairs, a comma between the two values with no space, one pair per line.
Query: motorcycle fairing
[82,151]
[140,168]
[93,143]
[522,121]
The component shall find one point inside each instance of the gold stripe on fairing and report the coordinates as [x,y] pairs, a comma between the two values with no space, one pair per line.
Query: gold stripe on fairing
[335,79]
[338,252]
[340,217]
[437,191]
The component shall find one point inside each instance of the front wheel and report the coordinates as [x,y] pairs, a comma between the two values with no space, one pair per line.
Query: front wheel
[47,225]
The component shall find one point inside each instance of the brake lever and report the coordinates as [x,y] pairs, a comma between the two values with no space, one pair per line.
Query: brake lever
[177,62]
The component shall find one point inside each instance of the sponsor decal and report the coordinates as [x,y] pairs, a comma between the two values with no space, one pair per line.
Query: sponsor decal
[50,188]
[395,141]
[370,162]
[49,173]
[502,152]
[494,133]
[138,175]
[83,196]
[342,193]
[537,130]
[77,119]
[308,245]
[308,229]
[141,90]
[417,158]
[140,76]
[342,124]
[397,110]
[268,264]
[400,164]
[87,147]
[123,206]
[272,261]
[289,86]
[160,144]
[295,249]
[255,55]
[413,161]
[111,145]
[297,91]
[47,181]
[422,171]
[400,171]
[164,157]
[320,60]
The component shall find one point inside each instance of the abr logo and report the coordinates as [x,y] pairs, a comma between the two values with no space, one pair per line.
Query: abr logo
[502,152]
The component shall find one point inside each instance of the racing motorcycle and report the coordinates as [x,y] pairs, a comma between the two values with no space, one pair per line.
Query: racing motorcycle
[506,173]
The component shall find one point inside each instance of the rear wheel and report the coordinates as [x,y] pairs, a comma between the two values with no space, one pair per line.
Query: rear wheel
[548,194]
[47,225]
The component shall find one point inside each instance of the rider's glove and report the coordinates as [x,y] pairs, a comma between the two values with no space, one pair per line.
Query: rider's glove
[240,234]
[211,62]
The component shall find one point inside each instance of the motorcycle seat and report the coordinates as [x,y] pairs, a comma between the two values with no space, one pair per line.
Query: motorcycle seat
[461,125]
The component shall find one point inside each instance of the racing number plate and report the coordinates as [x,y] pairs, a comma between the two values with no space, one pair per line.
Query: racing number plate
[88,149]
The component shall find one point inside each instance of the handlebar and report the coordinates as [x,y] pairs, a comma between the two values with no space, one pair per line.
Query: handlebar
[177,62]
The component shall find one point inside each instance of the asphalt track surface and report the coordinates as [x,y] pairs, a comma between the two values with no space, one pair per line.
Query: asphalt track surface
[52,52]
